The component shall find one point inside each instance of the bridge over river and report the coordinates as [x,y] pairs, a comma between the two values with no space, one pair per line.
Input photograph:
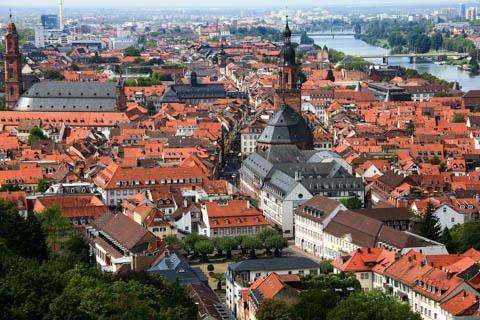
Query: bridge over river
[414,56]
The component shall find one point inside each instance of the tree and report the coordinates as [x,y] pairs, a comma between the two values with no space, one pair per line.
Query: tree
[55,226]
[2,103]
[315,304]
[429,224]
[77,247]
[274,310]
[42,185]
[466,236]
[23,237]
[342,284]
[220,277]
[305,39]
[473,63]
[330,75]
[226,244]
[410,131]
[447,240]
[172,240]
[36,134]
[352,203]
[264,235]
[374,304]
[190,241]
[251,243]
[435,160]
[151,109]
[437,41]
[276,242]
[10,187]
[458,118]
[59,287]
[131,52]
[326,267]
[53,75]
[204,248]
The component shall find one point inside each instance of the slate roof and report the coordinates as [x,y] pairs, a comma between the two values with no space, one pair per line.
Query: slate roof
[69,96]
[273,264]
[175,266]
[286,126]
[182,92]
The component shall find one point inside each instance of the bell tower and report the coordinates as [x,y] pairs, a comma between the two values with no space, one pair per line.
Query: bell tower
[12,66]
[288,87]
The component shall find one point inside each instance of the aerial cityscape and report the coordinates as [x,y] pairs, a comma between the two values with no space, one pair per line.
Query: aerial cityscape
[265,160]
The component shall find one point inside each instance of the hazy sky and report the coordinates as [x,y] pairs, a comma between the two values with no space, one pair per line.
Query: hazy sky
[197,3]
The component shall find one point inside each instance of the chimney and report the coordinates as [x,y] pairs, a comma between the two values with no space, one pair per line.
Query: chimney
[369,250]
[298,176]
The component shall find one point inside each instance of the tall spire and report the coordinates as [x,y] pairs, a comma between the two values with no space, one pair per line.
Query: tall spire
[287,33]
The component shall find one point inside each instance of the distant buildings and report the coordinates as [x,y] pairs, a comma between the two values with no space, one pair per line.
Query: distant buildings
[471,13]
[50,21]
[462,11]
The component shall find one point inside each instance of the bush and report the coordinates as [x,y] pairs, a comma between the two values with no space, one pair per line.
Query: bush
[210,268]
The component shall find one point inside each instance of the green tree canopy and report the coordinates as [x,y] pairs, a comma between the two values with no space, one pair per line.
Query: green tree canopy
[24,237]
[43,185]
[204,248]
[274,310]
[53,75]
[352,203]
[36,134]
[429,224]
[131,52]
[55,226]
[372,305]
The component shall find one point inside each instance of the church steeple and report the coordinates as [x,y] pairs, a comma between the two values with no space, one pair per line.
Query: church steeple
[12,66]
[287,88]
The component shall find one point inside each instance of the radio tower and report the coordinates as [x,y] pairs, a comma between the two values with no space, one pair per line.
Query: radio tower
[60,15]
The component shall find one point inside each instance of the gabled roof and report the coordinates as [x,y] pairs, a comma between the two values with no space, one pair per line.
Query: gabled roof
[123,230]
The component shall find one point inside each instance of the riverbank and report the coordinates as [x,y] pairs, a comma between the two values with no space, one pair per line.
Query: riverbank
[351,46]
[383,43]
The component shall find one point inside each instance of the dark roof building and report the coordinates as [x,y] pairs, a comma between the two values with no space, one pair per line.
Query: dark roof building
[175,267]
[64,96]
[271,264]
[286,127]
[193,92]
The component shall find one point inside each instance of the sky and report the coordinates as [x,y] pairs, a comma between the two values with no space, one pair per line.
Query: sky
[206,3]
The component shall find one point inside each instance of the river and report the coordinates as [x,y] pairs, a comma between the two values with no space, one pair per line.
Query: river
[352,46]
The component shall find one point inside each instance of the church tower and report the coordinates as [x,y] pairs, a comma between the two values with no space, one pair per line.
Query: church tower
[12,66]
[222,59]
[288,86]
